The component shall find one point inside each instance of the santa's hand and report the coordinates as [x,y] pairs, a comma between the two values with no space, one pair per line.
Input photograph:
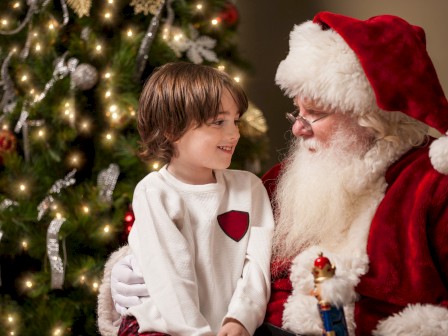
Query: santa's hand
[127,284]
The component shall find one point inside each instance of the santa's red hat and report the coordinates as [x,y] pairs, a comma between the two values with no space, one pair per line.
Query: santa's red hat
[367,66]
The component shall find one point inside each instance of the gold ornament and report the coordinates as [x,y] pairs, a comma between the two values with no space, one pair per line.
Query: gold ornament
[80,7]
[146,6]
[253,123]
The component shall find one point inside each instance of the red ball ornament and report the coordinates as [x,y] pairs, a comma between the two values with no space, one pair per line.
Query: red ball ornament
[229,14]
[8,142]
[128,221]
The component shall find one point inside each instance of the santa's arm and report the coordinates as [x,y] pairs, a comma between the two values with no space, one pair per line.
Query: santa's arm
[426,319]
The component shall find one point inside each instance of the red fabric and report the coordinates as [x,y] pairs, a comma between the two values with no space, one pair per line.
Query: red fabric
[280,284]
[129,327]
[280,290]
[234,224]
[407,246]
[393,55]
[270,179]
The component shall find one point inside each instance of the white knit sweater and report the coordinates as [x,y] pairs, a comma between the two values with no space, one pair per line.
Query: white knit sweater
[204,251]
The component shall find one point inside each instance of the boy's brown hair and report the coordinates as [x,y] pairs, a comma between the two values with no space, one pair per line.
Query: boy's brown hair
[178,96]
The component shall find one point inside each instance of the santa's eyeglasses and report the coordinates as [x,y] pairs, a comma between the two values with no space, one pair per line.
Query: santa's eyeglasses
[306,124]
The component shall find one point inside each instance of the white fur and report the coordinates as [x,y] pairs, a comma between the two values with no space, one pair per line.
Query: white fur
[415,320]
[300,313]
[321,65]
[108,318]
[438,152]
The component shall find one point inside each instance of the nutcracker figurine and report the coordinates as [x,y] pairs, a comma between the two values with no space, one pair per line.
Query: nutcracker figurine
[333,317]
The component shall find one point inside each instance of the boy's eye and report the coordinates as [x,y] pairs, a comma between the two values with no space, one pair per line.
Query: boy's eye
[218,122]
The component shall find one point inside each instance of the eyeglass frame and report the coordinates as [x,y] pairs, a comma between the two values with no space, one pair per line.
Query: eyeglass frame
[294,116]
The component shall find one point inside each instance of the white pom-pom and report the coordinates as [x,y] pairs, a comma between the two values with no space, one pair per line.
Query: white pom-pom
[438,153]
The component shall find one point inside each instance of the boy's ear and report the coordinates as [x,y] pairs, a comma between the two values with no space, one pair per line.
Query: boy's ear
[171,138]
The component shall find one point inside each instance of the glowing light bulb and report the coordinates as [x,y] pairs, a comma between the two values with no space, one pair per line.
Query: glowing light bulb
[107,229]
[24,78]
[16,5]
[22,187]
[107,75]
[221,67]
[85,125]
[107,94]
[130,33]
[199,6]
[28,283]
[4,22]
[109,136]
[95,285]
[237,79]
[107,15]
[215,22]
[10,319]
[25,244]
[98,47]
[86,209]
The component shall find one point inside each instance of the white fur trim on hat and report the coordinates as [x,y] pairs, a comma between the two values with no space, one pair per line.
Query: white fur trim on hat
[415,320]
[321,66]
[438,152]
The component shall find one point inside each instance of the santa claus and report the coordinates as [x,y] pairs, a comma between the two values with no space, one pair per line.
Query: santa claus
[363,183]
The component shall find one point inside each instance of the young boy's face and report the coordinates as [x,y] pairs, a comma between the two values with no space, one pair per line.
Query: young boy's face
[209,146]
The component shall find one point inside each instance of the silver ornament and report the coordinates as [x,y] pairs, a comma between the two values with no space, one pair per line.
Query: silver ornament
[85,76]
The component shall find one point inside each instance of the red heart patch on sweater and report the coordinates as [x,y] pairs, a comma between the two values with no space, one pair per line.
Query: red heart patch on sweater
[234,224]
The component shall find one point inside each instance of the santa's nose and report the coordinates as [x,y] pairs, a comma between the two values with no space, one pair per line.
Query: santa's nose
[300,130]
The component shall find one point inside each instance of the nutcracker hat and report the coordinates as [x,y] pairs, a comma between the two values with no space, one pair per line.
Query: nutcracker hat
[380,64]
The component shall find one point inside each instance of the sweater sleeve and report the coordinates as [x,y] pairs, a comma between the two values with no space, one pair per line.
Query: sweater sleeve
[165,254]
[249,301]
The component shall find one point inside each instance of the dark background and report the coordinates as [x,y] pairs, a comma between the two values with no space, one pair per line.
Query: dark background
[264,34]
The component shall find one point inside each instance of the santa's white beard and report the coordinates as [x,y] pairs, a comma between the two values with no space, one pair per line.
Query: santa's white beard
[319,193]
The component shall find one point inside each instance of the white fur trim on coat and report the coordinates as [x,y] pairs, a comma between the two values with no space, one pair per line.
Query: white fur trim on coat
[108,318]
[438,152]
[415,320]
[300,313]
[320,65]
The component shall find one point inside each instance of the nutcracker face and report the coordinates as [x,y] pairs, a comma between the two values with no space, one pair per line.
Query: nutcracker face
[323,269]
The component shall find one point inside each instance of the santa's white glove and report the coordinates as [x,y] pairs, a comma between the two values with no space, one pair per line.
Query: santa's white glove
[127,284]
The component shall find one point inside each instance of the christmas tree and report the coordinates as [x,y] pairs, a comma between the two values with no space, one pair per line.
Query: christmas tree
[71,73]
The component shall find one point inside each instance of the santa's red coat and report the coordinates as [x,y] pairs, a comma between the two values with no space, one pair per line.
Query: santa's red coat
[407,248]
